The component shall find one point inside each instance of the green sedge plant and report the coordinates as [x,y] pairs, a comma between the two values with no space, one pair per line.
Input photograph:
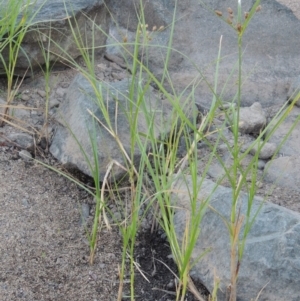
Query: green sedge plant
[158,155]
[15,18]
[238,177]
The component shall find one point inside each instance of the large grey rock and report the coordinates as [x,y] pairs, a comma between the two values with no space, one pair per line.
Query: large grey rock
[270,49]
[272,251]
[52,19]
[81,97]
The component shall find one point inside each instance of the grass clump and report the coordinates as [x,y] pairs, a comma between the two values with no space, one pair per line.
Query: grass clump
[158,154]
[15,18]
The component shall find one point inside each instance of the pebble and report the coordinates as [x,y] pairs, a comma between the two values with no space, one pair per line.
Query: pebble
[252,119]
[24,140]
[171,284]
[25,97]
[266,152]
[116,59]
[261,164]
[25,202]
[117,217]
[60,92]
[118,76]
[25,155]
[19,112]
[53,103]
[116,67]
[41,93]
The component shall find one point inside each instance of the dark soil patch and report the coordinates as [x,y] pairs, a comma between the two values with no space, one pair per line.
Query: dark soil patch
[154,256]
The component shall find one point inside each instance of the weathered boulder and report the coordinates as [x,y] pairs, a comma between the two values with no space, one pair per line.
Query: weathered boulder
[270,49]
[80,98]
[271,260]
[52,20]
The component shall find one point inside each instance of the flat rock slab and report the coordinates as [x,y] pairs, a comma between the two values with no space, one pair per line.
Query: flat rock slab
[272,251]
[52,20]
[73,116]
[271,57]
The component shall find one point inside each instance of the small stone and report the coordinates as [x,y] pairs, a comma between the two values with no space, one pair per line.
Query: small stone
[64,85]
[102,66]
[116,59]
[41,93]
[261,164]
[259,184]
[252,119]
[117,217]
[171,284]
[25,141]
[19,112]
[25,97]
[266,152]
[53,103]
[284,172]
[115,67]
[25,155]
[25,202]
[60,92]
[117,75]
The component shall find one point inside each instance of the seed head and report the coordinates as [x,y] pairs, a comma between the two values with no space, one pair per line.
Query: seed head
[239,27]
[218,13]
[161,28]
[229,21]
[154,28]
[258,8]
[246,14]
[230,11]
